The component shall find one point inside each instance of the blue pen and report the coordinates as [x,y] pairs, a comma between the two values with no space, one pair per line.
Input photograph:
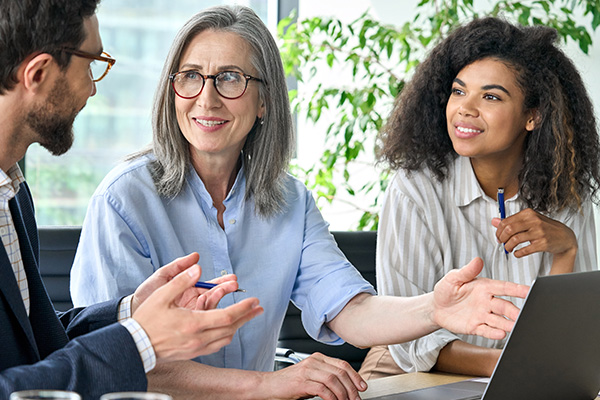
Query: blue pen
[501,207]
[207,285]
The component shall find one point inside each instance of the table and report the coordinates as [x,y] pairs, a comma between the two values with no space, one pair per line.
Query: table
[408,382]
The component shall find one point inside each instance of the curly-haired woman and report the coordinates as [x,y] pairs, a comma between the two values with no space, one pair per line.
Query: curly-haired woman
[495,105]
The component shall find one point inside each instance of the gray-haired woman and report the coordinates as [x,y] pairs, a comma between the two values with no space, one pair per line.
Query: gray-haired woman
[215,181]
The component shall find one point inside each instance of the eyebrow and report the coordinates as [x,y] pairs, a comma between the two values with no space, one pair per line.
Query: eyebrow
[220,68]
[485,87]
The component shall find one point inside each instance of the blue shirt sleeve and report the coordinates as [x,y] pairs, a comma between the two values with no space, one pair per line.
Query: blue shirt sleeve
[326,281]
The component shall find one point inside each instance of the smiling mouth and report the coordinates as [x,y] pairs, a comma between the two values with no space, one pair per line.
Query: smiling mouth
[467,130]
[208,123]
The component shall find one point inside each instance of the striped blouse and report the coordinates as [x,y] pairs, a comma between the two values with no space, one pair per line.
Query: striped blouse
[428,227]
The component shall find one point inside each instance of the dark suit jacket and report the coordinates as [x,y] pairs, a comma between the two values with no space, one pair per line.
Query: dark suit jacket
[56,350]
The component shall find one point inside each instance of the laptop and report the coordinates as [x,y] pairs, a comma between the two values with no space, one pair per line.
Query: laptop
[553,351]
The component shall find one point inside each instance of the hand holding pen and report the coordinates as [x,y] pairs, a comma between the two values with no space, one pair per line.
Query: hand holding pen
[208,285]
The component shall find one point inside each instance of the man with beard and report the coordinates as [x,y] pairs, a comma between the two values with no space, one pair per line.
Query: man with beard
[46,47]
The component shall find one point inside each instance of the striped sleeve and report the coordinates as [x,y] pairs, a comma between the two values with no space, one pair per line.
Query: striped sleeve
[409,260]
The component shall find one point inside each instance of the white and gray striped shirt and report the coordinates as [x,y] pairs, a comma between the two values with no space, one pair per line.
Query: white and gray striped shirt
[428,228]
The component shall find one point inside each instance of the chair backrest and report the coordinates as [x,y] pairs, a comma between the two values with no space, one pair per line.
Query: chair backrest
[57,251]
[359,248]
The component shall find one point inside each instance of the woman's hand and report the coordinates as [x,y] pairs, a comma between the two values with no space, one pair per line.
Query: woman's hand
[543,234]
[464,303]
[317,375]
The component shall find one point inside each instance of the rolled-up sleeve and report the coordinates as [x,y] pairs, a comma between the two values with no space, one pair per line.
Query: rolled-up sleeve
[326,280]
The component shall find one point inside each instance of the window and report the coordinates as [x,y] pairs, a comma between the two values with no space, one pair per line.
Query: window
[116,121]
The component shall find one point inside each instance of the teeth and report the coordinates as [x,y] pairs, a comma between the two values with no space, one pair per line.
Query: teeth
[209,123]
[468,130]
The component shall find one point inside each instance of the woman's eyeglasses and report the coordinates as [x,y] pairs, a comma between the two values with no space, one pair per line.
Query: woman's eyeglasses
[229,84]
[99,66]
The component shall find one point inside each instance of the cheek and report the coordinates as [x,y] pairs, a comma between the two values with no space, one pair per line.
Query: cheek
[451,107]
[450,111]
[181,108]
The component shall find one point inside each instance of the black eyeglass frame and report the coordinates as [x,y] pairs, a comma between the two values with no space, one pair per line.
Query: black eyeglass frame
[105,57]
[214,78]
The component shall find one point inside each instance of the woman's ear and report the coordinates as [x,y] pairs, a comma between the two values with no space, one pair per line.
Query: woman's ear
[35,71]
[533,121]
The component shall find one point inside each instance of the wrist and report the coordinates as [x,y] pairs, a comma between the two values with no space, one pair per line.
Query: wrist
[262,386]
[564,262]
[431,312]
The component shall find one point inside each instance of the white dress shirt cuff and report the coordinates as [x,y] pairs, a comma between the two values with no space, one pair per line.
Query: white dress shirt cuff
[138,334]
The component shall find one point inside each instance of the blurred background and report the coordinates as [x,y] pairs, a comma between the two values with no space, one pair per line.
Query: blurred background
[336,144]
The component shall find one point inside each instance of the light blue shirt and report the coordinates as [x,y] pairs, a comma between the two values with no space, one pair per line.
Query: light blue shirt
[130,231]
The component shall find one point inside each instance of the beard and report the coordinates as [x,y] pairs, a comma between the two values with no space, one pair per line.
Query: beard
[52,119]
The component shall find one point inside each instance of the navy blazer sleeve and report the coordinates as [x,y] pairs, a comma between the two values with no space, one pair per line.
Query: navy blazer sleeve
[85,351]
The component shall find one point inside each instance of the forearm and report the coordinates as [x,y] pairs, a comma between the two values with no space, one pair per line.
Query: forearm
[459,357]
[563,263]
[373,320]
[192,380]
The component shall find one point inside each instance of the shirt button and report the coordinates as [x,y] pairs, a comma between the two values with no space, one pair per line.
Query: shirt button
[232,221]
[3,231]
[224,272]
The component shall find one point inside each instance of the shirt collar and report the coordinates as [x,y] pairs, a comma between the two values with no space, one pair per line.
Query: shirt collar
[464,181]
[238,188]
[10,181]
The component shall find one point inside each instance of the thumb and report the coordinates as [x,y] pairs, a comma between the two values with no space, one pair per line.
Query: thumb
[179,265]
[470,271]
[175,288]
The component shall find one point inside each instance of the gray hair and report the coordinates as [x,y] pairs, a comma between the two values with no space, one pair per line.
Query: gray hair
[269,144]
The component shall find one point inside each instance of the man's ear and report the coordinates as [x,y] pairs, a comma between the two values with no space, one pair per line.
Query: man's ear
[35,71]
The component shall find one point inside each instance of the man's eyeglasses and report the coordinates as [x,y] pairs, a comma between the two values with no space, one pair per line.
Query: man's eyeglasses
[100,65]
[229,84]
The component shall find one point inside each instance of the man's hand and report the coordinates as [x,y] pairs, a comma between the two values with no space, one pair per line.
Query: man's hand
[318,375]
[178,333]
[466,304]
[192,298]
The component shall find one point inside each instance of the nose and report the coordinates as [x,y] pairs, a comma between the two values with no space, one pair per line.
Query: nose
[208,97]
[468,107]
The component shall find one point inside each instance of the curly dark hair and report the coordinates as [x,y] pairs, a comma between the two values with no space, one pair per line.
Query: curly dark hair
[30,26]
[560,167]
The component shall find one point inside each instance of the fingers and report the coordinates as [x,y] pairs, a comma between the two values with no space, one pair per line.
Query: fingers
[506,313]
[224,278]
[502,313]
[178,265]
[491,333]
[243,311]
[175,288]
[223,323]
[542,234]
[211,298]
[180,334]
[506,289]
[330,378]
[496,324]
